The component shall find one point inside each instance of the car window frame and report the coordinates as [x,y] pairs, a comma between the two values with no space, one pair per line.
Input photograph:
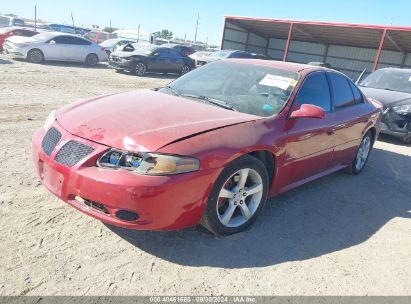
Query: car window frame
[294,99]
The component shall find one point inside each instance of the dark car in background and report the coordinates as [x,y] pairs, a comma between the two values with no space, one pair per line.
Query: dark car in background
[182,49]
[392,87]
[225,54]
[7,32]
[139,60]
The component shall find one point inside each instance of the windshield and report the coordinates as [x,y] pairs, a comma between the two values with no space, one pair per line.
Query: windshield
[252,89]
[389,79]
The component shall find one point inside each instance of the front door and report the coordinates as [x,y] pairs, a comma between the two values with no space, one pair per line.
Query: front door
[310,143]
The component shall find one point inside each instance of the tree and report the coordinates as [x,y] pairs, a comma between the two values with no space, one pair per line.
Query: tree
[166,34]
[109,29]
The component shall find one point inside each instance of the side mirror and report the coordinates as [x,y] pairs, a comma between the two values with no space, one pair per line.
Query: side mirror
[308,111]
[156,54]
[52,42]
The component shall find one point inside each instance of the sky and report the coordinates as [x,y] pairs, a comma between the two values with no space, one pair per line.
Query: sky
[180,16]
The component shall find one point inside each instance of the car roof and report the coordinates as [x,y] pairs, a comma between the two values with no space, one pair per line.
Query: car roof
[289,66]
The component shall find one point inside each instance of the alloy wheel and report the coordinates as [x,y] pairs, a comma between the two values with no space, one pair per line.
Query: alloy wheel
[35,56]
[362,154]
[140,69]
[185,70]
[239,198]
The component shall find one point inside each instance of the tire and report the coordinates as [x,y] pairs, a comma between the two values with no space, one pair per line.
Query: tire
[140,69]
[225,216]
[91,60]
[185,69]
[35,56]
[362,155]
[406,139]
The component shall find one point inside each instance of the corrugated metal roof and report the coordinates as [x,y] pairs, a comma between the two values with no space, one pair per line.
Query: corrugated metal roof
[357,35]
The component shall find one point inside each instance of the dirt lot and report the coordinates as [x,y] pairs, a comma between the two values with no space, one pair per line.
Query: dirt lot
[341,235]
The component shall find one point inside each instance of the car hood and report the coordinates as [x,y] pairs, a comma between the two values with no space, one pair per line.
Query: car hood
[124,54]
[144,120]
[21,39]
[387,98]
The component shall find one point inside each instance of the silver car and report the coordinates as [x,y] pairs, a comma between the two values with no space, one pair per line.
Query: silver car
[56,47]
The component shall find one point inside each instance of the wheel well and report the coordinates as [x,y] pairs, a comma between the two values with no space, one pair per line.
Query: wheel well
[373,133]
[267,158]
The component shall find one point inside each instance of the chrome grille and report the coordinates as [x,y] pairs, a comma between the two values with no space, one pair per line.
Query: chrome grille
[50,140]
[72,152]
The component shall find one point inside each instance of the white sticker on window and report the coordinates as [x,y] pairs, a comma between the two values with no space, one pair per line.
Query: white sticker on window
[277,81]
[409,79]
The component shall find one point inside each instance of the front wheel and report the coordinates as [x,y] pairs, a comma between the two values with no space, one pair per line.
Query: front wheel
[362,155]
[237,197]
[35,56]
[140,69]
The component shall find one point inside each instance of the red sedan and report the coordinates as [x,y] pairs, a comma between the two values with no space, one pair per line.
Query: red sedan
[7,32]
[208,149]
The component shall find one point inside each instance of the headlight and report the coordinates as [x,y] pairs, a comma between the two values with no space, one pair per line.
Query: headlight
[148,163]
[404,109]
[49,120]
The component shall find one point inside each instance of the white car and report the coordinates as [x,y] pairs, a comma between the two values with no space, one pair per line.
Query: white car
[55,46]
[110,45]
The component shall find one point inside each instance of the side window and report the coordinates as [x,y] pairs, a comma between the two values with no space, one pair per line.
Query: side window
[174,54]
[162,52]
[357,94]
[315,91]
[79,41]
[342,92]
[234,55]
[60,40]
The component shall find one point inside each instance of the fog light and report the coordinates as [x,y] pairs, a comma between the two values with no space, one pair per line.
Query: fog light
[126,215]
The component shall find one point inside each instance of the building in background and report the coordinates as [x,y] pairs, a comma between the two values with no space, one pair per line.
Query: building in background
[350,48]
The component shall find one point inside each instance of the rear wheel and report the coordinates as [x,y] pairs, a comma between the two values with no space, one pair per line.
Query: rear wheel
[140,69]
[363,153]
[35,56]
[92,60]
[185,69]
[237,197]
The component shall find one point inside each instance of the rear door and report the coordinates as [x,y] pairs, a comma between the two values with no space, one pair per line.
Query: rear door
[78,48]
[310,143]
[176,61]
[160,61]
[352,117]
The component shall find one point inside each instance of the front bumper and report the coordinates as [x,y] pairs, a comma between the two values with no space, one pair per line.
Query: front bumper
[161,202]
[121,65]
[395,124]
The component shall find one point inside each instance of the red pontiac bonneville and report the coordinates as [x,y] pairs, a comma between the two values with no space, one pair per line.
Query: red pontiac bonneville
[207,149]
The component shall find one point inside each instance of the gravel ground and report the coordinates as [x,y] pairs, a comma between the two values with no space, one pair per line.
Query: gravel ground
[340,235]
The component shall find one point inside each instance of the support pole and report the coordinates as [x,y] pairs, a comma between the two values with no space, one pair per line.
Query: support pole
[288,42]
[378,55]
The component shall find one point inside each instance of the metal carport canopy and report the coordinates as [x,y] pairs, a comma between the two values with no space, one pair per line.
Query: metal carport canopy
[397,38]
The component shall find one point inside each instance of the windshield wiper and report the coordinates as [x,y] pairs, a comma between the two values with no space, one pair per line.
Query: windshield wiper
[213,101]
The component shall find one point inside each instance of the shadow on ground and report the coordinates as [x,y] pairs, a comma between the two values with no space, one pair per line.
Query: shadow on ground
[2,61]
[392,140]
[331,214]
[101,65]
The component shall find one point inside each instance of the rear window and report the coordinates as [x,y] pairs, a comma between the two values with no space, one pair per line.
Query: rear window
[343,95]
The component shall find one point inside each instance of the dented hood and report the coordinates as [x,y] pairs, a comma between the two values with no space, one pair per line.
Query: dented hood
[143,120]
